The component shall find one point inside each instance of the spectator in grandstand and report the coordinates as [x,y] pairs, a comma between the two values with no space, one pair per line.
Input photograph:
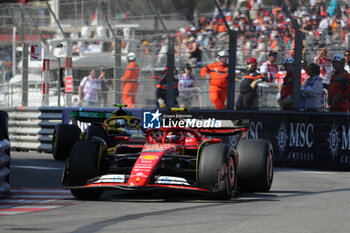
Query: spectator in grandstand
[339,87]
[195,55]
[285,100]
[185,86]
[247,87]
[218,79]
[162,89]
[269,69]
[162,52]
[88,90]
[130,84]
[347,60]
[304,73]
[104,87]
[312,98]
[324,62]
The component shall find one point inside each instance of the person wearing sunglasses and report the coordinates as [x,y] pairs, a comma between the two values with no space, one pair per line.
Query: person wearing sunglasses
[347,60]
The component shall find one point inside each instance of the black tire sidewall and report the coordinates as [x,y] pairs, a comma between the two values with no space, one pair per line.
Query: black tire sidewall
[65,136]
[253,172]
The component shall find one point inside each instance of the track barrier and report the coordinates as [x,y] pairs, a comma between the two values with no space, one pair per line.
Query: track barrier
[4,155]
[300,139]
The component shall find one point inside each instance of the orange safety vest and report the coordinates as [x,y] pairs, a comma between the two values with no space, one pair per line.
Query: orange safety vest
[218,74]
[131,73]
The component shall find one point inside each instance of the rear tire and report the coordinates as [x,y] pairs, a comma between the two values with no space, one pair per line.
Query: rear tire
[64,137]
[255,166]
[217,169]
[82,166]
[96,131]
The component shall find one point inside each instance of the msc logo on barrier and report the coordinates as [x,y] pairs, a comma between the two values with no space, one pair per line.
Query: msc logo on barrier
[151,120]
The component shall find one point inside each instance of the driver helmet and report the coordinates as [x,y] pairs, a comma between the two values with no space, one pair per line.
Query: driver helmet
[120,122]
[173,137]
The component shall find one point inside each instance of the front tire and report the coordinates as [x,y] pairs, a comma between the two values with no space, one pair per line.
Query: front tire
[217,169]
[255,166]
[64,137]
[82,166]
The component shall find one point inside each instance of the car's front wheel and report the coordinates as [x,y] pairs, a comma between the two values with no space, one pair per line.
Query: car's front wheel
[83,165]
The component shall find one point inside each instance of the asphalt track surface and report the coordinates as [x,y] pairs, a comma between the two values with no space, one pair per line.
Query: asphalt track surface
[300,201]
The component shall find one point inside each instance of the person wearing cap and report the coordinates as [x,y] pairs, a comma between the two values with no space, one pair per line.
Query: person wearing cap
[347,60]
[162,89]
[218,79]
[268,69]
[129,84]
[247,87]
[324,62]
[312,97]
[339,87]
[285,100]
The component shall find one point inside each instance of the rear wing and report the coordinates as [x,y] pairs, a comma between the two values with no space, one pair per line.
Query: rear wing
[89,116]
[223,131]
[228,128]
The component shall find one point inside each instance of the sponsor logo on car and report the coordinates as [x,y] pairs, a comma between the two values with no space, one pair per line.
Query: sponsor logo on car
[150,157]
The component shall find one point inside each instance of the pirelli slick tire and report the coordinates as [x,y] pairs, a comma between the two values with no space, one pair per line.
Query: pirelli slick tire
[217,169]
[82,165]
[96,131]
[64,137]
[255,166]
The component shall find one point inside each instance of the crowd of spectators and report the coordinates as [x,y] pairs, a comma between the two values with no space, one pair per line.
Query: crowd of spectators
[261,28]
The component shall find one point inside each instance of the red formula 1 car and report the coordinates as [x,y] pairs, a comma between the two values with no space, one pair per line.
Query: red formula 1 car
[172,158]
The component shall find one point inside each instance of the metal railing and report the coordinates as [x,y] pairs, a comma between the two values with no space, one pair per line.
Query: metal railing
[32,128]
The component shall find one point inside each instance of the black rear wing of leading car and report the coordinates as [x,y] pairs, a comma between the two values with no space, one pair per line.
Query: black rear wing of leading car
[228,128]
[223,131]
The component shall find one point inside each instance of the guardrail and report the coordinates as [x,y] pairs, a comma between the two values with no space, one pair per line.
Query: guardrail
[32,128]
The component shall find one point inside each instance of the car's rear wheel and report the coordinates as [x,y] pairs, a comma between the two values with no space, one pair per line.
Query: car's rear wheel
[96,131]
[255,167]
[217,169]
[64,137]
[82,166]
